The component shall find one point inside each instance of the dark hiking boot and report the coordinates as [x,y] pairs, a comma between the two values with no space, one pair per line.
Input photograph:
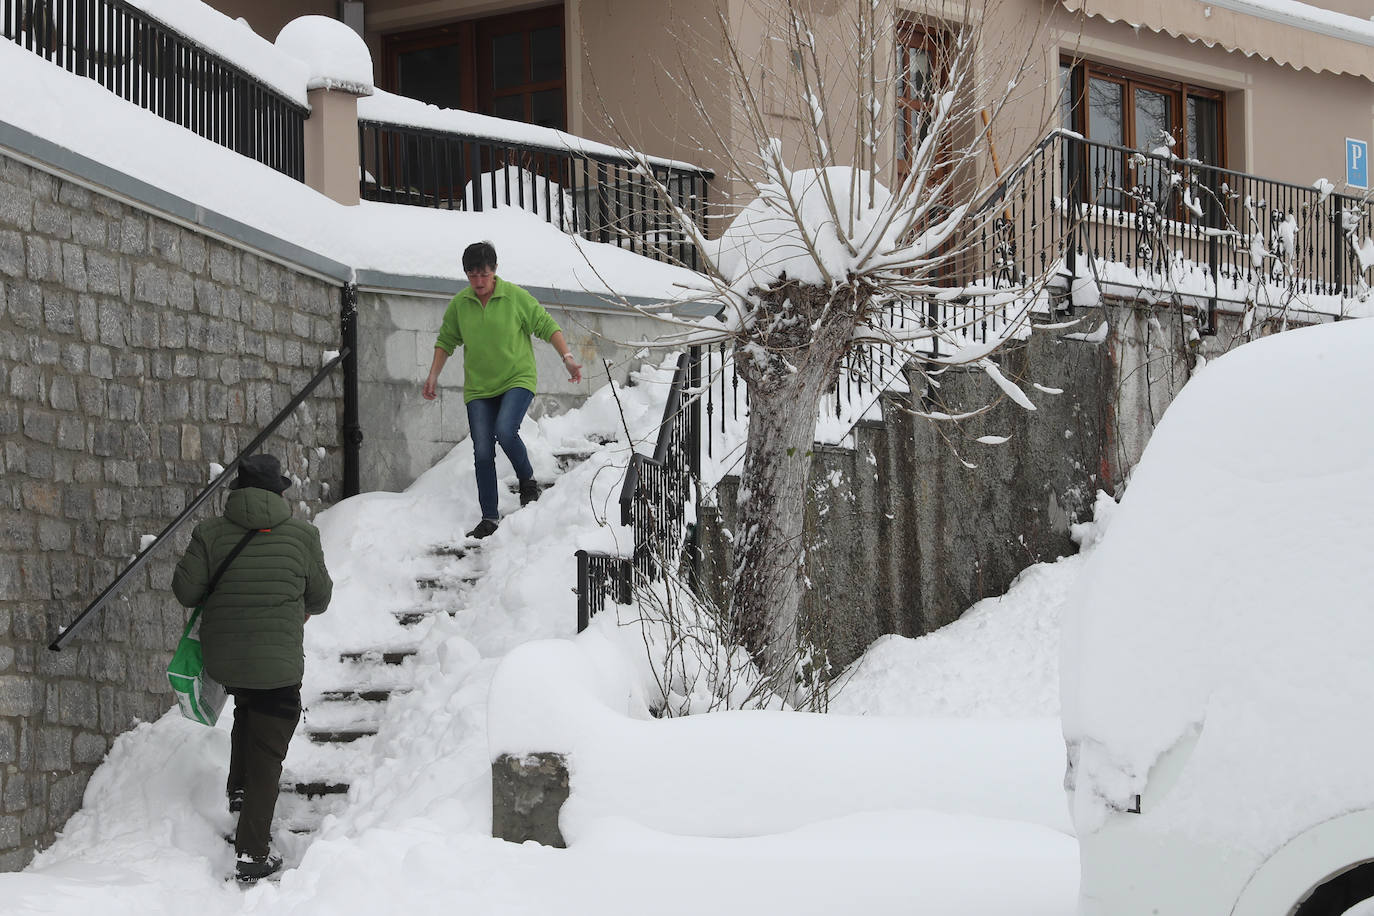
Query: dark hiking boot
[236,801]
[252,869]
[485,528]
[529,491]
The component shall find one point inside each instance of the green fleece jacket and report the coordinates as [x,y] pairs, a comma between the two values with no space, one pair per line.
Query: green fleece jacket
[253,625]
[497,352]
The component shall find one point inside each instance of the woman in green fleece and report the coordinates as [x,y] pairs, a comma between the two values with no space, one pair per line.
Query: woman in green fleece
[492,321]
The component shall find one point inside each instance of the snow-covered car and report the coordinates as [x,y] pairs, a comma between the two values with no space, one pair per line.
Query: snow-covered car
[1217,674]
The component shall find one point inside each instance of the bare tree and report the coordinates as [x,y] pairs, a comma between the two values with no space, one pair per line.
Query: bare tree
[857,140]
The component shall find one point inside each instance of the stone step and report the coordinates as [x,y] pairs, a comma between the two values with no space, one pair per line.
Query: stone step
[409,617]
[397,656]
[440,583]
[377,695]
[340,735]
[316,789]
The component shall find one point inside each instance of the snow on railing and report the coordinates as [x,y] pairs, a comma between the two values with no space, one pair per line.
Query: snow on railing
[185,63]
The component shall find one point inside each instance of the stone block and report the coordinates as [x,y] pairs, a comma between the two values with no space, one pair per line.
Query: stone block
[9,744]
[10,835]
[89,748]
[39,463]
[12,258]
[71,433]
[52,219]
[106,438]
[11,579]
[124,473]
[40,425]
[59,311]
[89,230]
[88,317]
[16,207]
[54,534]
[9,418]
[79,703]
[181,291]
[143,329]
[77,503]
[64,798]
[38,258]
[123,402]
[102,363]
[73,267]
[527,793]
[62,393]
[26,383]
[130,365]
[42,497]
[16,793]
[24,303]
[102,273]
[133,234]
[18,696]
[54,747]
[193,253]
[45,351]
[113,323]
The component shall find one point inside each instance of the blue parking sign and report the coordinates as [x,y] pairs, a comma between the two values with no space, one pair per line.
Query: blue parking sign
[1356,163]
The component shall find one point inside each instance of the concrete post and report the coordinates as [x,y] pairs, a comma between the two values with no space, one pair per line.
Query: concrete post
[331,144]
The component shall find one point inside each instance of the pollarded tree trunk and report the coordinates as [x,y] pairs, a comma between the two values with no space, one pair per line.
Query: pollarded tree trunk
[788,360]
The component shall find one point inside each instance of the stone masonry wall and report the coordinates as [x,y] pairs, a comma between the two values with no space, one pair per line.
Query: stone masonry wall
[133,353]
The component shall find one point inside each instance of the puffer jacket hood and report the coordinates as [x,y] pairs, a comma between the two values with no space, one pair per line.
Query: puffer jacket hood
[252,507]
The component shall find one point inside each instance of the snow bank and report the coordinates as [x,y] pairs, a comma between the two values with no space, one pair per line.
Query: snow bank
[1229,601]
[753,773]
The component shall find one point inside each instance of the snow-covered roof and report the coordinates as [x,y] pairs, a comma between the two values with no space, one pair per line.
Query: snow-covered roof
[1286,32]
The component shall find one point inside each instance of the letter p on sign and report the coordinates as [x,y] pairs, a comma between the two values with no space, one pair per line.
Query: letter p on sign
[1356,163]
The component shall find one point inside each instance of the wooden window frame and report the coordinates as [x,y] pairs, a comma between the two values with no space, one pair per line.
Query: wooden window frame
[473,36]
[1081,71]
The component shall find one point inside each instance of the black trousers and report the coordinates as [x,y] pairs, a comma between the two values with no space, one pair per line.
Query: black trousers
[264,721]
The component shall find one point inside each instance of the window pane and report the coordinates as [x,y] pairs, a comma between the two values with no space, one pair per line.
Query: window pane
[1204,130]
[546,108]
[511,107]
[1066,96]
[508,66]
[1105,123]
[546,54]
[918,72]
[431,75]
[1152,120]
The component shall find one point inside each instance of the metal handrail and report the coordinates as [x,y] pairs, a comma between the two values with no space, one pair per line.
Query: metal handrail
[65,634]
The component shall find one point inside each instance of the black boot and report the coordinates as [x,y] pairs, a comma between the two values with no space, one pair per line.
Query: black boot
[529,491]
[252,869]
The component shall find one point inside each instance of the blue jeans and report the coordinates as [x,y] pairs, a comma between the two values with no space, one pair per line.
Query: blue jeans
[493,420]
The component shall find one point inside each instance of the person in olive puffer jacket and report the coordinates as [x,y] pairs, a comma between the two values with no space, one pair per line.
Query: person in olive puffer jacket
[251,632]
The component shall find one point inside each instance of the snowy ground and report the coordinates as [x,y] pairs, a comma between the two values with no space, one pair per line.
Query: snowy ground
[935,787]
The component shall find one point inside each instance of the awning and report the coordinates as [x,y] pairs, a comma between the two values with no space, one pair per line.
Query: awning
[1285,31]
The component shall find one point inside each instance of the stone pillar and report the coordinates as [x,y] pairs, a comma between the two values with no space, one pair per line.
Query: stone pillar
[331,144]
[527,792]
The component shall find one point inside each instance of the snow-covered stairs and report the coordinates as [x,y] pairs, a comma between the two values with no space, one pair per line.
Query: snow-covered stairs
[346,699]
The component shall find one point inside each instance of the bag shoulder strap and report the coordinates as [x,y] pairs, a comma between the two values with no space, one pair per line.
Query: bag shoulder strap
[229,559]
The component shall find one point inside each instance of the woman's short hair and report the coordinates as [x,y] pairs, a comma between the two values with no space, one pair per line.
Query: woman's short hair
[479,255]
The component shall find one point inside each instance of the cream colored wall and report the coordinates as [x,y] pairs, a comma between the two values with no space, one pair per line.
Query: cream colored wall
[268,16]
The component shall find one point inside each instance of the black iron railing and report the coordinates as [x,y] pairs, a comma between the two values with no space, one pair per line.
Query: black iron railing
[68,632]
[653,501]
[145,62]
[599,197]
[1165,228]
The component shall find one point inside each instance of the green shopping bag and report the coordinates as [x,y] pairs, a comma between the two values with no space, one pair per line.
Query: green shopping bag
[200,697]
